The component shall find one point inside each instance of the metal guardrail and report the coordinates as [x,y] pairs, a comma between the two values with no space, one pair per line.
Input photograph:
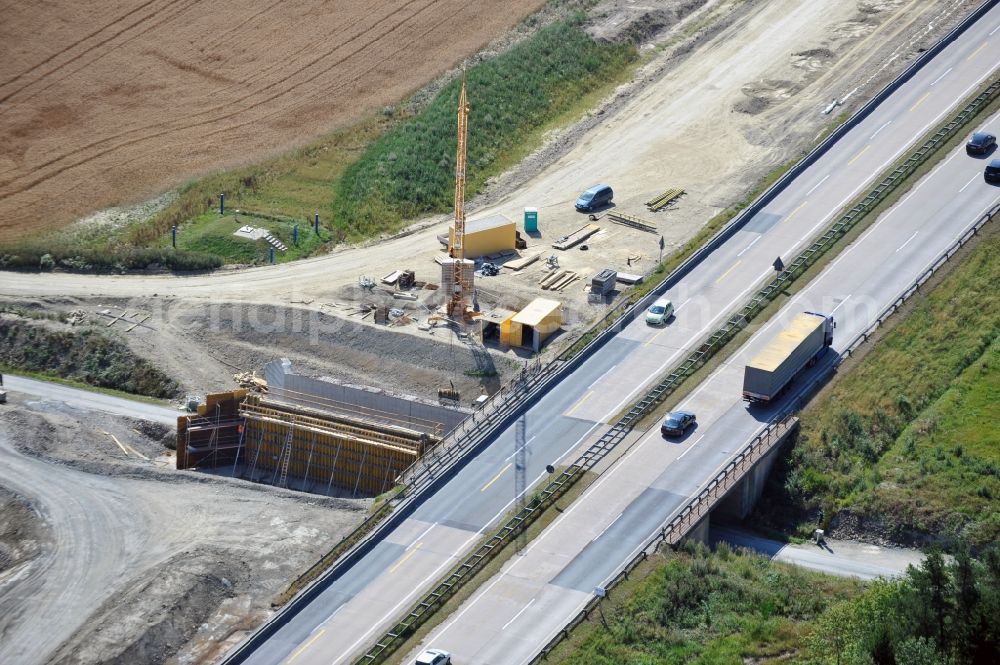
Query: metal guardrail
[545,376]
[715,342]
[706,498]
[716,488]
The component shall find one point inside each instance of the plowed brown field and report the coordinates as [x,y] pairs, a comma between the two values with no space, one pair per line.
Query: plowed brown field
[109,102]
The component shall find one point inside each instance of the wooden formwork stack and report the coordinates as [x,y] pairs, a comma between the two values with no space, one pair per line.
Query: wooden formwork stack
[212,437]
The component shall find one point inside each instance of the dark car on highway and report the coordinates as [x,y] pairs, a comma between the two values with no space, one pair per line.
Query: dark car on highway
[992,172]
[980,143]
[676,423]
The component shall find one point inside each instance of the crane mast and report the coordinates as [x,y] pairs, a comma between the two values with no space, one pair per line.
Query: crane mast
[460,293]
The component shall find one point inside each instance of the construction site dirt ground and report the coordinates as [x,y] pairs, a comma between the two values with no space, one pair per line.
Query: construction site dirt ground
[730,91]
[129,561]
[727,94]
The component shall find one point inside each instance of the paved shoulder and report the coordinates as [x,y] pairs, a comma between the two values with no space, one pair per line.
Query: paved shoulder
[837,557]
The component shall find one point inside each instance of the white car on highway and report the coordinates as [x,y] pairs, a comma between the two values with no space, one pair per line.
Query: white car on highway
[659,312]
[434,657]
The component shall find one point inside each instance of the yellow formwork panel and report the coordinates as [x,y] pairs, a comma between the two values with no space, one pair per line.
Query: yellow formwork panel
[352,458]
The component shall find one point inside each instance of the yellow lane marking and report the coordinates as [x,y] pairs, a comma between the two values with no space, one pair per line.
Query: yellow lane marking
[497,477]
[408,555]
[792,213]
[306,645]
[577,405]
[650,340]
[976,52]
[921,100]
[723,276]
[855,158]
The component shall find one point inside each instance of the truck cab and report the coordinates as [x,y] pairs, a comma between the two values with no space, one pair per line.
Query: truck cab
[828,329]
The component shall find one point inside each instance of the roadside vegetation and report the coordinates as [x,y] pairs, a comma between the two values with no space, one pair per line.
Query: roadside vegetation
[60,253]
[907,442]
[410,170]
[731,607]
[364,181]
[86,356]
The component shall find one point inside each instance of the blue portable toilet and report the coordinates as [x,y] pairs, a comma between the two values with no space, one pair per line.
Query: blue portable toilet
[531,220]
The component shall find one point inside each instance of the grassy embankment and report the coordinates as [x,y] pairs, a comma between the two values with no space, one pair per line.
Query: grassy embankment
[909,438]
[410,170]
[85,356]
[367,180]
[733,607]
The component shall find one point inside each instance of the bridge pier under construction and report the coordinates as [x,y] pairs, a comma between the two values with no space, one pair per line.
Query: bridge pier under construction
[301,438]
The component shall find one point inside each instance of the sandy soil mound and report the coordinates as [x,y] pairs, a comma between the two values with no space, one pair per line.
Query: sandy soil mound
[112,102]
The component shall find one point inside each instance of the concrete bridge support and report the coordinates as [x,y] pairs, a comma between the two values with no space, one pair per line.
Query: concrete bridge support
[741,499]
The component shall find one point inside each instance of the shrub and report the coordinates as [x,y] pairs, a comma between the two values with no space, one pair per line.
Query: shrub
[87,259]
[87,356]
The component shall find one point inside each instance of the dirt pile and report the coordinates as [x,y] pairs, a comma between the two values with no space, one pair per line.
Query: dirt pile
[21,533]
[83,353]
[617,20]
[152,619]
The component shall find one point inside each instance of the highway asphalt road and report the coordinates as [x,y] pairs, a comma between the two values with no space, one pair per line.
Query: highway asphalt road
[88,400]
[517,612]
[351,612]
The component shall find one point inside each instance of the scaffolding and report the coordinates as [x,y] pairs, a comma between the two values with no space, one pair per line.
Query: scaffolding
[361,460]
[294,446]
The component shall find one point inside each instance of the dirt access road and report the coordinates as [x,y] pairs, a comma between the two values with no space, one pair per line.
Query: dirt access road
[113,102]
[106,557]
[712,114]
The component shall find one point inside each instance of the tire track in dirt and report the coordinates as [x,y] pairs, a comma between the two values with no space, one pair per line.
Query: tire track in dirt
[88,50]
[180,125]
[65,49]
[211,121]
[336,84]
[156,115]
[311,46]
[103,54]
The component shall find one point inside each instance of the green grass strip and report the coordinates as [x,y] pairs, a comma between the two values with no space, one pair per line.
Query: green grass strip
[410,170]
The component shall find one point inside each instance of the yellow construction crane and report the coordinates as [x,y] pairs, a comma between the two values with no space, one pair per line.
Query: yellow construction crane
[460,295]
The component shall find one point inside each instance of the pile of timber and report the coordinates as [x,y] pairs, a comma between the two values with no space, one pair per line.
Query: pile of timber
[557,280]
[576,237]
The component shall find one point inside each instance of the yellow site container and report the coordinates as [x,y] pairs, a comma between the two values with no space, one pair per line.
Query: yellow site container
[489,235]
[533,324]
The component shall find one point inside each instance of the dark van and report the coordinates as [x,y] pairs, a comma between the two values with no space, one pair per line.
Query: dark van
[596,197]
[992,173]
